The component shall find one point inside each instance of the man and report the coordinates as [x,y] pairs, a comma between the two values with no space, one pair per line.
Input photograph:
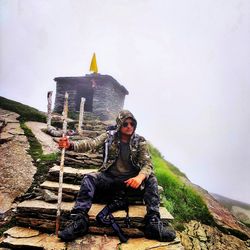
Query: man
[127,160]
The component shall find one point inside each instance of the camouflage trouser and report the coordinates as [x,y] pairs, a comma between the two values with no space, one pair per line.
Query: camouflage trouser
[102,181]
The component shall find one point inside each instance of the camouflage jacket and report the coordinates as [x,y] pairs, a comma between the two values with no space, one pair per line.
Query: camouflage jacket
[139,153]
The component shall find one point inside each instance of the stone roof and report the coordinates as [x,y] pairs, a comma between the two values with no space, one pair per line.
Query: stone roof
[100,80]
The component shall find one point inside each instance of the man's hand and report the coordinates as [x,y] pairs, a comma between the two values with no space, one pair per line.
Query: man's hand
[135,182]
[64,142]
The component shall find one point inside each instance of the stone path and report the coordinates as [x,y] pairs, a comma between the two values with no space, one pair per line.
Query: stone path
[25,237]
[48,144]
[16,167]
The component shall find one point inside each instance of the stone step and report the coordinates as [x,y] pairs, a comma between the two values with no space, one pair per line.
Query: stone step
[84,156]
[70,175]
[135,211]
[70,190]
[97,128]
[90,133]
[26,238]
[74,175]
[49,192]
[40,214]
[48,225]
[67,188]
[83,160]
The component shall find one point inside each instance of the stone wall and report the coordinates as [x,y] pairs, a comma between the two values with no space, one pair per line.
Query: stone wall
[107,101]
[104,95]
[60,94]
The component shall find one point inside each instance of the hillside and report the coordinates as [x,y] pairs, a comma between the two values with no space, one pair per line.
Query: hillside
[229,203]
[199,218]
[239,209]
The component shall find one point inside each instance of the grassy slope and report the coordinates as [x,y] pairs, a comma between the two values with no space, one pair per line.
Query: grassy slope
[26,112]
[182,201]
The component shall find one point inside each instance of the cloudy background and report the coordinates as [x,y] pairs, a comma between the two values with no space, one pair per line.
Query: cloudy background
[185,63]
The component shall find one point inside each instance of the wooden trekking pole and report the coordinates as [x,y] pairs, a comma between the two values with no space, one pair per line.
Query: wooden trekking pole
[59,203]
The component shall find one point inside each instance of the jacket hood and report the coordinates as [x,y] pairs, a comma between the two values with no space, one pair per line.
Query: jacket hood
[122,116]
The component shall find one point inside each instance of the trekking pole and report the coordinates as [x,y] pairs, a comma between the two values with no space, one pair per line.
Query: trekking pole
[59,203]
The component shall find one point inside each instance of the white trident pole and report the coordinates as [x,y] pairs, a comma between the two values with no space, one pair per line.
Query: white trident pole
[81,115]
[59,203]
[49,99]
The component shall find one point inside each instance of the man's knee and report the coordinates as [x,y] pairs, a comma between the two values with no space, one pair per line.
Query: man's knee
[151,193]
[151,182]
[90,178]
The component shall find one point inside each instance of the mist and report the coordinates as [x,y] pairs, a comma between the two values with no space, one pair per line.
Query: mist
[185,65]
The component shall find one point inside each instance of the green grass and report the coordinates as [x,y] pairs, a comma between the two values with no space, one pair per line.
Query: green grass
[183,202]
[42,162]
[26,112]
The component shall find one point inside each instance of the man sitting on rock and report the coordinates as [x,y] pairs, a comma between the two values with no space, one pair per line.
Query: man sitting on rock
[127,160]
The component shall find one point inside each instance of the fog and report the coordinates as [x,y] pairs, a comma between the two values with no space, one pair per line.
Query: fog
[184,63]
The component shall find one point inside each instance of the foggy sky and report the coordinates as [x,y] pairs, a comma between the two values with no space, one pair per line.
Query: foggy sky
[185,63]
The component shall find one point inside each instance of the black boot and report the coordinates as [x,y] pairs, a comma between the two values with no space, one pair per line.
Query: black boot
[78,227]
[155,229]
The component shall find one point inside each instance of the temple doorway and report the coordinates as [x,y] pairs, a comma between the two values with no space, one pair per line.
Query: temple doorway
[87,92]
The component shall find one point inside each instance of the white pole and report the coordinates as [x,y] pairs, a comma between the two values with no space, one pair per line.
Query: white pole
[49,99]
[59,203]
[81,115]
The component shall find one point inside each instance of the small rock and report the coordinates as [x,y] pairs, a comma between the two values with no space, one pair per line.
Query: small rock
[248,243]
[20,232]
[48,195]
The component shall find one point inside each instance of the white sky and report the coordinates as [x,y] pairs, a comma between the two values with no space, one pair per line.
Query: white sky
[185,64]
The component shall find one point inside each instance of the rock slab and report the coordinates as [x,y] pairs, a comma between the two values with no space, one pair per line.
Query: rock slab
[18,237]
[198,236]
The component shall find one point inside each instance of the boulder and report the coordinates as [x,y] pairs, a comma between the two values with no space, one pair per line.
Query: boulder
[198,236]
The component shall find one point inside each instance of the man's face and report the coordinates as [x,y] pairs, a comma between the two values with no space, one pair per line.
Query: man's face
[128,127]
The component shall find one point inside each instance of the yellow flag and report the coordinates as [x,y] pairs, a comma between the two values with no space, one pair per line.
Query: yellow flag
[93,65]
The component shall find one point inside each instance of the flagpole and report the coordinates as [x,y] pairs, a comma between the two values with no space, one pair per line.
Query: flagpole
[59,203]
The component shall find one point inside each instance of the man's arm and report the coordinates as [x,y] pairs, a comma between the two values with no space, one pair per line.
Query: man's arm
[83,145]
[144,160]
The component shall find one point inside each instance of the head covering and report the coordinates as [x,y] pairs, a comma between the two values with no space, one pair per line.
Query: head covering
[122,116]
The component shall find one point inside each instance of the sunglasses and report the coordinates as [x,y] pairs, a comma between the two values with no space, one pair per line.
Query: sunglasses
[125,124]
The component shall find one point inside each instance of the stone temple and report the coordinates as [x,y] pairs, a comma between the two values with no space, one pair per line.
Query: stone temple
[104,96]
